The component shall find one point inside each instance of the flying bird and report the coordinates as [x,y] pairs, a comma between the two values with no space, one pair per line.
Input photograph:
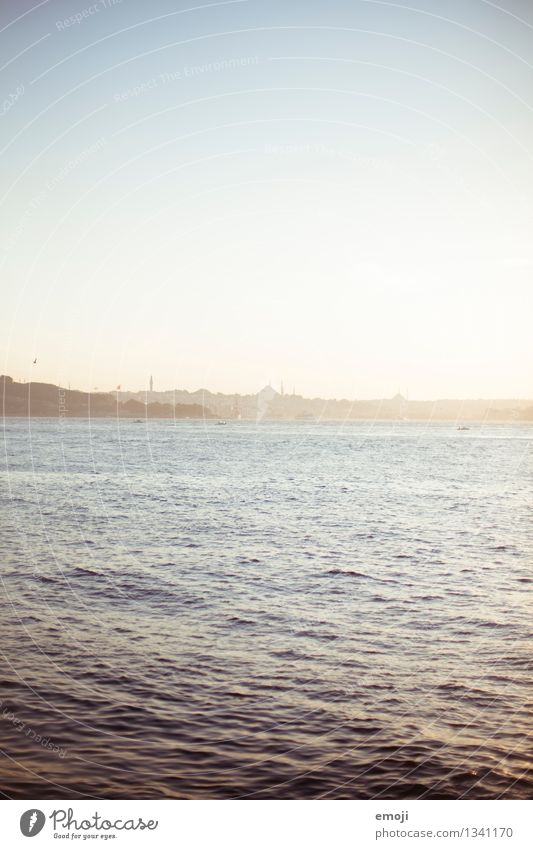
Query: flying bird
[35,360]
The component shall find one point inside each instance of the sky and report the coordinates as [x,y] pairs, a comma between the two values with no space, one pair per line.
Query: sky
[337,195]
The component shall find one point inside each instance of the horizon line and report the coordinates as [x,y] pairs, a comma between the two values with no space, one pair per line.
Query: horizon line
[398,396]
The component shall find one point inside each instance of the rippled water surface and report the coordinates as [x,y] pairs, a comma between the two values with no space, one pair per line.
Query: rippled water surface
[271,611]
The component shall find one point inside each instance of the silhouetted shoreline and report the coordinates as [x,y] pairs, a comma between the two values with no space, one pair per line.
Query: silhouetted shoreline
[48,400]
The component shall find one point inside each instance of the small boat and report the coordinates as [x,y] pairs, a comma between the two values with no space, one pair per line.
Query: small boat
[463,427]
[221,422]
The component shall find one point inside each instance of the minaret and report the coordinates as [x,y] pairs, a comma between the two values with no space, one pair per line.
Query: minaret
[151,384]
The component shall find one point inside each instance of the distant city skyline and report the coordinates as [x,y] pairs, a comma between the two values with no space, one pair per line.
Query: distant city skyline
[278,389]
[340,195]
[49,400]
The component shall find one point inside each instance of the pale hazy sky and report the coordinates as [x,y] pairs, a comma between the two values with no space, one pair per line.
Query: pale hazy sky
[336,194]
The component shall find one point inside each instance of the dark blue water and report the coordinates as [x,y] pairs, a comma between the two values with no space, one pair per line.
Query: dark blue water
[272,611]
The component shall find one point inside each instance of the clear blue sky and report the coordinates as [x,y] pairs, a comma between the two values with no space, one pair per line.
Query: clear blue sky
[338,194]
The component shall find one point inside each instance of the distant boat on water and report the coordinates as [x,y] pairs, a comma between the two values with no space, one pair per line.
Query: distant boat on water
[463,427]
[221,422]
